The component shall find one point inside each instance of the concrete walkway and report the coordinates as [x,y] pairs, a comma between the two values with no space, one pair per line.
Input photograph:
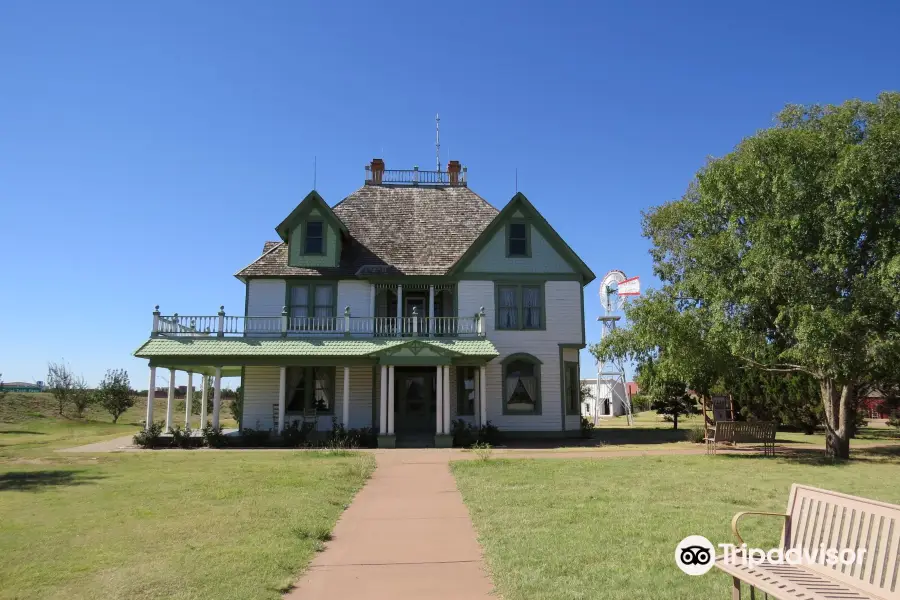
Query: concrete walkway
[407,535]
[118,444]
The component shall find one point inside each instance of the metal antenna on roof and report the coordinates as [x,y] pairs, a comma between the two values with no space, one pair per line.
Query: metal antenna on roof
[437,140]
[517,180]
[315,170]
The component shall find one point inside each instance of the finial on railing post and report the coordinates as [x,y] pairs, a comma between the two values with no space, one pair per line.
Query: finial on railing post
[347,320]
[221,329]
[479,321]
[284,321]
[155,331]
[415,320]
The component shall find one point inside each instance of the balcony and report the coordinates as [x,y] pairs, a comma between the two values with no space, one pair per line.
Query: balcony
[222,325]
[376,174]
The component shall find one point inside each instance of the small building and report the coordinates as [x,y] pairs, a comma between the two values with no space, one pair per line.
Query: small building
[606,400]
[22,386]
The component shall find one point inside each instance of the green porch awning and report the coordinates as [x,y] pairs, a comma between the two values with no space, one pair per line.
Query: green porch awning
[196,353]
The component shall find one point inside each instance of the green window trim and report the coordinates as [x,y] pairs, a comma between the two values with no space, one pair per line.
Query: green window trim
[520,305]
[309,389]
[310,305]
[536,365]
[527,237]
[461,409]
[306,237]
[571,388]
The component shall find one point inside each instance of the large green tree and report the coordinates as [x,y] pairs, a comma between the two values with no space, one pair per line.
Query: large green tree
[789,247]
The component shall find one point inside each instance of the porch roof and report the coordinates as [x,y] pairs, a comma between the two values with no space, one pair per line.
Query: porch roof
[235,351]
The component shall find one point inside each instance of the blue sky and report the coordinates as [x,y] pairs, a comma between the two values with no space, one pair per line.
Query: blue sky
[147,150]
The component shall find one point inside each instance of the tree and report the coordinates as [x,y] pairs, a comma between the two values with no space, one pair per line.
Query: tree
[2,389]
[61,381]
[237,405]
[670,397]
[114,393]
[790,245]
[81,396]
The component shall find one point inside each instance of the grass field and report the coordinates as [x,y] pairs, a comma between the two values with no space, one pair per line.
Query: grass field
[649,429]
[154,525]
[607,529]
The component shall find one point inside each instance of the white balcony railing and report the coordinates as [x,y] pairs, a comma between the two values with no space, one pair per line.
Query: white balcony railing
[222,325]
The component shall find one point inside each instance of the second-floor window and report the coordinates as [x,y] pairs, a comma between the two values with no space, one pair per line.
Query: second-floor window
[517,240]
[311,300]
[520,306]
[314,240]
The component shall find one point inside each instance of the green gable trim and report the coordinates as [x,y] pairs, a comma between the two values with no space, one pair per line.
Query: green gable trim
[521,204]
[312,200]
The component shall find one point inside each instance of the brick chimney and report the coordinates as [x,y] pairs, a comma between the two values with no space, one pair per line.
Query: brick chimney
[377,168]
[453,169]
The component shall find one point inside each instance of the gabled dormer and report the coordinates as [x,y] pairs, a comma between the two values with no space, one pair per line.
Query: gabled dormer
[520,240]
[313,234]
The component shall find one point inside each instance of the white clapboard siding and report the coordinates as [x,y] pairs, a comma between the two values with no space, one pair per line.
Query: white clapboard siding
[265,297]
[357,295]
[563,314]
[261,394]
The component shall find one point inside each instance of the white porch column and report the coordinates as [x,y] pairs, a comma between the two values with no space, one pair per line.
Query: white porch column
[399,310]
[431,311]
[446,396]
[282,392]
[189,400]
[204,400]
[217,397]
[151,394]
[382,404]
[390,414]
[346,407]
[439,400]
[482,392]
[171,400]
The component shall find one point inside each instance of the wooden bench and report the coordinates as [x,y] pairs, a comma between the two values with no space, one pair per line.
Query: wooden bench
[741,432]
[815,518]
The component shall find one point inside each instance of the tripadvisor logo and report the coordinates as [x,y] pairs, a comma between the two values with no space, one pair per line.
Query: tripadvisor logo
[695,555]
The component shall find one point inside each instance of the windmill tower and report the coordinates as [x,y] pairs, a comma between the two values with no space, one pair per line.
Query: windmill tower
[614,290]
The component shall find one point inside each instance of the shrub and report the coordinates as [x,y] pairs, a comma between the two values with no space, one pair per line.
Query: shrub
[181,438]
[150,436]
[213,437]
[293,436]
[696,435]
[254,438]
[465,434]
[482,450]
[81,396]
[894,420]
[587,428]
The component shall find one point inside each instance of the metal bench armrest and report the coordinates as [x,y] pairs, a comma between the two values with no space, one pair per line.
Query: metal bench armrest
[740,515]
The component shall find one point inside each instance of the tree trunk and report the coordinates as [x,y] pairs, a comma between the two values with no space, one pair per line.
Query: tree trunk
[839,400]
[675,420]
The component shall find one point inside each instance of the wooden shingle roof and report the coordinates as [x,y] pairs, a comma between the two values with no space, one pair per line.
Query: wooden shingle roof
[399,230]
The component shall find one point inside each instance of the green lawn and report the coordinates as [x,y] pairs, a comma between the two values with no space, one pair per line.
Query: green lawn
[650,430]
[159,524]
[607,529]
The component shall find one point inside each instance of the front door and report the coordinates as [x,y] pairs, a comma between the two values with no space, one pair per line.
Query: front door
[414,410]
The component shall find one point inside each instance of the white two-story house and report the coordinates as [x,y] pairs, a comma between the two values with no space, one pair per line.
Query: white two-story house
[410,303]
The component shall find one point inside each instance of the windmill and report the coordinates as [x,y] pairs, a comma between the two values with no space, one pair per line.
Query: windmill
[614,290]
